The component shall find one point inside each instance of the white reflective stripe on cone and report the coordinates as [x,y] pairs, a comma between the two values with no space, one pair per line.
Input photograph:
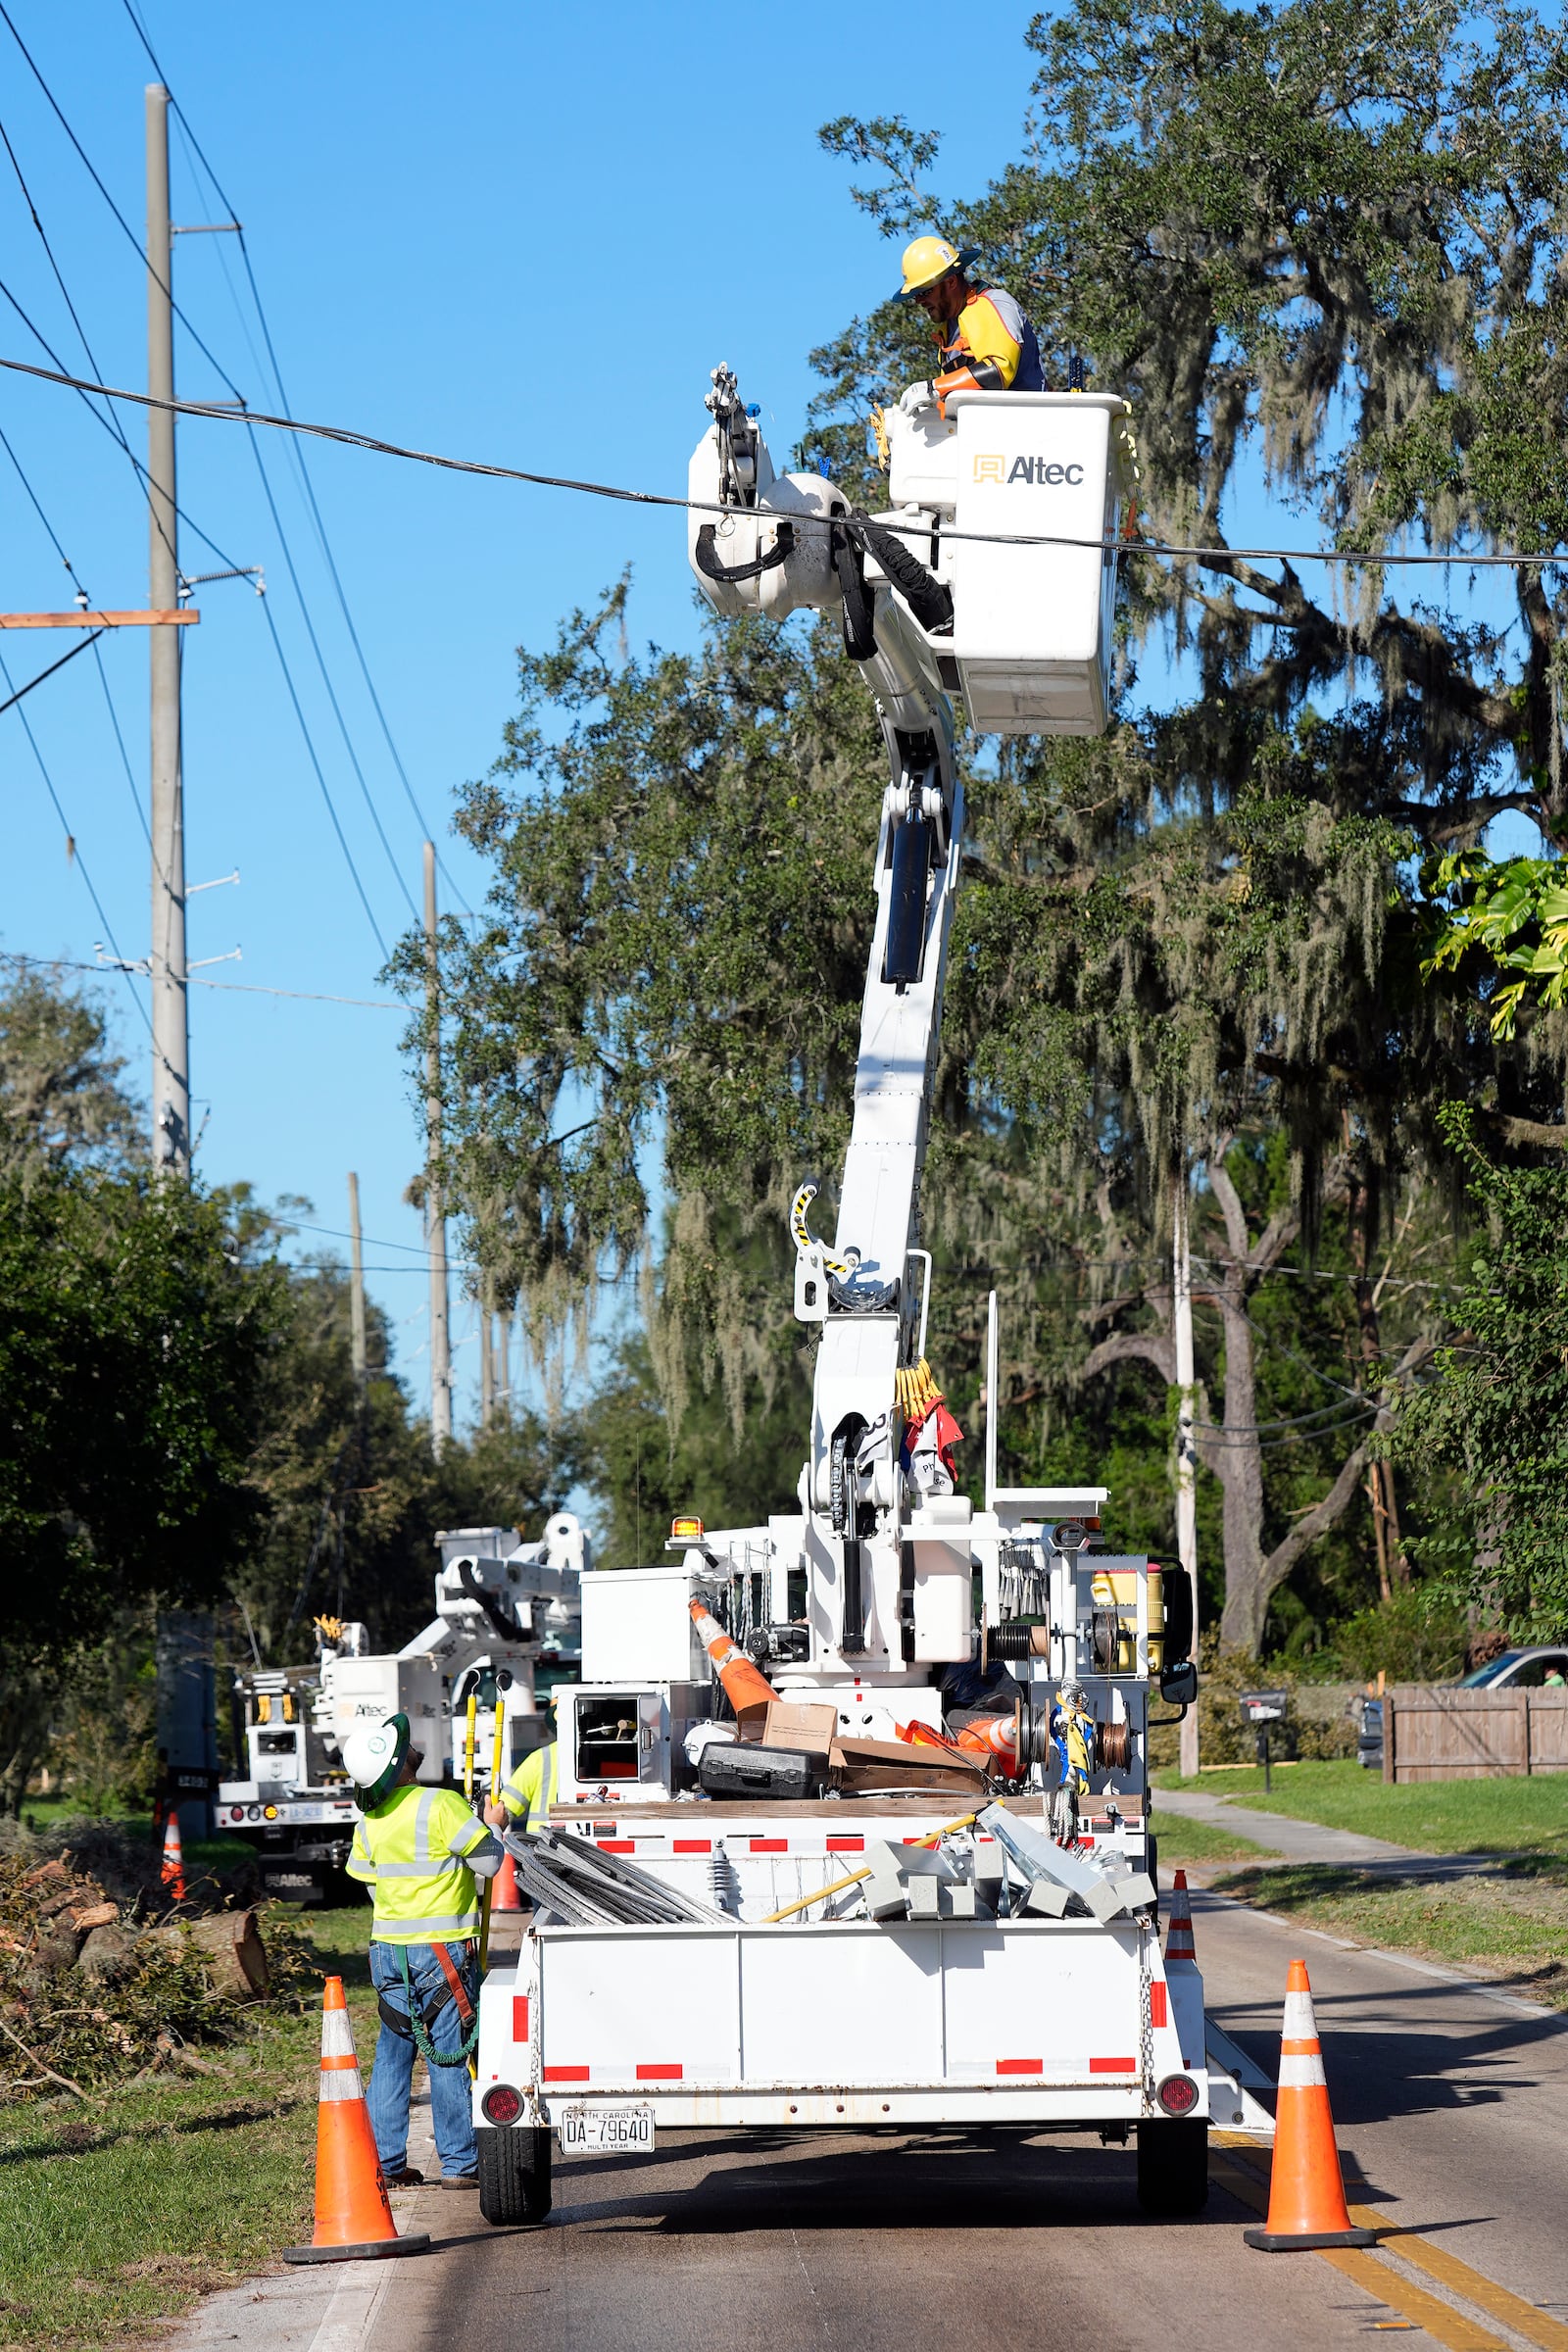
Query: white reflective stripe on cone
[1300,2023]
[337,2035]
[339,2083]
[1303,2073]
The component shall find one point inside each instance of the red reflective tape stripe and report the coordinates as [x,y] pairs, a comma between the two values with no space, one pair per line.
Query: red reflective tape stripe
[519,2017]
[338,2066]
[1021,2066]
[693,1846]
[1157,2004]
[1113,2066]
[617,1846]
[846,1845]
[660,2073]
[566,2074]
[1086,1842]
[770,1846]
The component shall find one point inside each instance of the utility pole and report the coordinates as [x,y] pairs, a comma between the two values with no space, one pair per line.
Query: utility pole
[362,1365]
[169,1009]
[1186,1444]
[504,1361]
[435,1215]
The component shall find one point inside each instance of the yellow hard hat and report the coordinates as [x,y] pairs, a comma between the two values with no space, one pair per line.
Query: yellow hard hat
[928,260]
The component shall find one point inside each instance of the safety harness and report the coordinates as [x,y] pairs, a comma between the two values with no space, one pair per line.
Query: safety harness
[418,2025]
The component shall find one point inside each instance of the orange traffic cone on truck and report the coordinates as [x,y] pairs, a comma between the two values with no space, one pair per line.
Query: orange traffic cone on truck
[171,1870]
[353,2217]
[1179,1946]
[745,1683]
[503,1896]
[1306,2206]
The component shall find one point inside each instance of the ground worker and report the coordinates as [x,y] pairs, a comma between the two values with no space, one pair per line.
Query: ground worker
[532,1788]
[985,342]
[422,1849]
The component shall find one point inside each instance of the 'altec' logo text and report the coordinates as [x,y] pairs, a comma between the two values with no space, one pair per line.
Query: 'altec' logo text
[1044,473]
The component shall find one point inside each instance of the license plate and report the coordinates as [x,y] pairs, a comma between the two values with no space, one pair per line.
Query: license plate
[606,2130]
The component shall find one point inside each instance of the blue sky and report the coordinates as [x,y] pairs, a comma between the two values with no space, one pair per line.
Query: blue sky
[521,235]
[524,235]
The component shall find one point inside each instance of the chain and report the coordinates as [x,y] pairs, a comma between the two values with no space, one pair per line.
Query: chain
[1146,2018]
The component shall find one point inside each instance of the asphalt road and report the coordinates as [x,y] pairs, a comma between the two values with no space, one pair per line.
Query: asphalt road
[1452,2112]
[1453,2109]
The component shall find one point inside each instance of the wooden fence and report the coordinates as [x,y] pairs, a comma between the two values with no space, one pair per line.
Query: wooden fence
[1434,1734]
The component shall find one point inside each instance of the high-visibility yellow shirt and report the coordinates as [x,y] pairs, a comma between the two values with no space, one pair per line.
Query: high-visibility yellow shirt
[413,1850]
[535,1785]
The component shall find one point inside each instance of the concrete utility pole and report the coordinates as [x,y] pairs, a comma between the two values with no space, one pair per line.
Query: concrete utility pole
[169,1009]
[435,1215]
[504,1362]
[361,1364]
[1186,1442]
[487,1361]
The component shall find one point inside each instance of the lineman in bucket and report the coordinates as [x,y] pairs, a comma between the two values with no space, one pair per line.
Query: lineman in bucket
[983,341]
[420,1850]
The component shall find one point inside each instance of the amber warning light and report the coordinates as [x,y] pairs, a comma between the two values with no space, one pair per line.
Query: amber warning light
[685,1530]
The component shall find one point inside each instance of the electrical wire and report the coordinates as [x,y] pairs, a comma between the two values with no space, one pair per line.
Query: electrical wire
[134,241]
[345,437]
[48,673]
[188,136]
[65,823]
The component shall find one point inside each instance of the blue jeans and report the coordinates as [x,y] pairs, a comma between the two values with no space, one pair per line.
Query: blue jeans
[392,2076]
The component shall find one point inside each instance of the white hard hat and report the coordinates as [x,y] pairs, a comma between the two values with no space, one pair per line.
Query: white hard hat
[373,1759]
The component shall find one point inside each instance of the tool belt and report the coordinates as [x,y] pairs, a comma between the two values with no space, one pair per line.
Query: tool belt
[418,2025]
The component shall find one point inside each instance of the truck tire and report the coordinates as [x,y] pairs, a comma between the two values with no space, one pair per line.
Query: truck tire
[1173,2168]
[513,2175]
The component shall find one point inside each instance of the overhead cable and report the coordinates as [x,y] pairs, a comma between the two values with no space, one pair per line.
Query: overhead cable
[130,233]
[350,439]
[189,133]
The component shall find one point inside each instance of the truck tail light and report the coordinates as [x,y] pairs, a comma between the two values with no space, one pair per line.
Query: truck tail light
[1178,2095]
[500,2104]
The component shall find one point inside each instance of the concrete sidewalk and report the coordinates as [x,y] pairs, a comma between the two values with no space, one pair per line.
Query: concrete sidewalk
[1281,1836]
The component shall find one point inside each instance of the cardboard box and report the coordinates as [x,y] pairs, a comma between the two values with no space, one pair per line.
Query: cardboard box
[784,1723]
[870,1764]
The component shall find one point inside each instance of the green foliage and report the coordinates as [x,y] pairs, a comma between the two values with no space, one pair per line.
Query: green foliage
[1416,1636]
[61,1100]
[133,1351]
[1492,1425]
[1487,918]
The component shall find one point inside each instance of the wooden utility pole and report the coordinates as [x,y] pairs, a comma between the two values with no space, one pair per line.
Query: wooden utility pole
[169,992]
[504,1362]
[487,1362]
[1186,1436]
[435,1216]
[362,1365]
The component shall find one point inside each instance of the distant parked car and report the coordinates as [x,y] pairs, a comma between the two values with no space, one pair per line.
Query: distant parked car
[1510,1670]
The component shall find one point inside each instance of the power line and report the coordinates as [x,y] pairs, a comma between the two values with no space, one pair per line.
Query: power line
[224,558]
[347,437]
[65,823]
[134,240]
[49,673]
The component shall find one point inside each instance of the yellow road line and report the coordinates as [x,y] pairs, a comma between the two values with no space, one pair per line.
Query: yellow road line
[1444,2325]
[1525,2319]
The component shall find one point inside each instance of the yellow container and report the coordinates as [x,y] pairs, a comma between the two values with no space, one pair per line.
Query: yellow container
[1117,1588]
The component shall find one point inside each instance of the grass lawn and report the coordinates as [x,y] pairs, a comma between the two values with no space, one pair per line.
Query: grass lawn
[1508,1921]
[116,2211]
[1439,1817]
[1182,1842]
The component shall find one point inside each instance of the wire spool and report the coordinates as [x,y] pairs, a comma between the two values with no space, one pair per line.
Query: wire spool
[1019,1640]
[1105,1644]
[1113,1746]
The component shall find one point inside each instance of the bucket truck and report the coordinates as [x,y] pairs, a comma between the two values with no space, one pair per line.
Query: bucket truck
[504,1610]
[755,1906]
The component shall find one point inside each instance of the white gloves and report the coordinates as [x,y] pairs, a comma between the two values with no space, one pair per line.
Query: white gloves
[916,398]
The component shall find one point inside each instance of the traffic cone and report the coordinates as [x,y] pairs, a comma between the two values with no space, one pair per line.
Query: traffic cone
[504,1894]
[1307,2205]
[353,2218]
[1179,1946]
[171,1870]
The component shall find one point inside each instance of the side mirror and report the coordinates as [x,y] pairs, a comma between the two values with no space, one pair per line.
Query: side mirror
[1178,1685]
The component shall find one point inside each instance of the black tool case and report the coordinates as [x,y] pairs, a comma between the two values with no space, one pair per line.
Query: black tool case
[728,1768]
